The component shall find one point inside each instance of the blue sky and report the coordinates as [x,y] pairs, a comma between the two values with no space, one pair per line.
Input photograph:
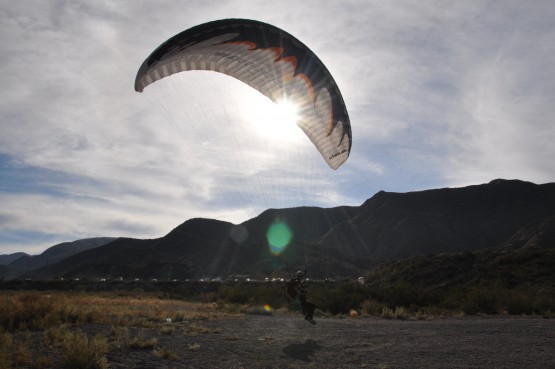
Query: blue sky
[440,94]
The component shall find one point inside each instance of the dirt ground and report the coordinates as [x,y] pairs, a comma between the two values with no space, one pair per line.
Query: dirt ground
[287,341]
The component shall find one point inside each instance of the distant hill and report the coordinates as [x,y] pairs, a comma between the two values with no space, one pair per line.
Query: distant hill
[341,241]
[6,259]
[54,254]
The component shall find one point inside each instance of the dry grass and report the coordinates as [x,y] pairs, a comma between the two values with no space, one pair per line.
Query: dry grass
[194,328]
[6,344]
[54,318]
[166,354]
[120,336]
[38,311]
[168,329]
[140,342]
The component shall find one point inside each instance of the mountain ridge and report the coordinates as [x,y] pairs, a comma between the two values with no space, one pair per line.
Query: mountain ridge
[26,263]
[5,259]
[342,241]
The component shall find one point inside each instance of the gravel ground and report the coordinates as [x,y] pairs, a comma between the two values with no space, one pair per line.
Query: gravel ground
[287,341]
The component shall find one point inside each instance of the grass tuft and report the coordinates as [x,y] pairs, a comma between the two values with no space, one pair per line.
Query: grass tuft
[194,347]
[166,354]
[398,313]
[140,342]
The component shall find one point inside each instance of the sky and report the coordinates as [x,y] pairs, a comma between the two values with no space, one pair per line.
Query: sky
[439,94]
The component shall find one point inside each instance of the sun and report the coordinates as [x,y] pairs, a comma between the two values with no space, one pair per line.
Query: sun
[286,113]
[274,120]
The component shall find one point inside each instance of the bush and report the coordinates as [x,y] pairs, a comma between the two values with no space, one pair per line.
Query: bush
[251,293]
[401,294]
[371,307]
[529,300]
[482,300]
[82,353]
[338,300]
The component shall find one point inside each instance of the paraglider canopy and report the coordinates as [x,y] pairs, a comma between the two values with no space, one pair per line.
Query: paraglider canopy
[271,61]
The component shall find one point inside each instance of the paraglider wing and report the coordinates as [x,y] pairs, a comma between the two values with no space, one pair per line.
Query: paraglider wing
[269,60]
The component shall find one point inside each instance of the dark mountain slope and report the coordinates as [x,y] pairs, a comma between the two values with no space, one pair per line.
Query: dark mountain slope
[539,234]
[190,248]
[397,225]
[7,273]
[57,253]
[518,281]
[342,241]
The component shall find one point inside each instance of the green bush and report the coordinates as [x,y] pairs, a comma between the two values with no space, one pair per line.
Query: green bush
[401,294]
[371,307]
[338,299]
[527,299]
[251,294]
[524,299]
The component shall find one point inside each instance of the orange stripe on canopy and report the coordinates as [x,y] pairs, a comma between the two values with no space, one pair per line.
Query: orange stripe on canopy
[251,45]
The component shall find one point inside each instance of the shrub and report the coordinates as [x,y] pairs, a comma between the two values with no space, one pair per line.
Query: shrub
[495,299]
[82,353]
[180,316]
[340,300]
[527,299]
[401,294]
[371,307]
[252,294]
[22,356]
[167,329]
[56,336]
[398,313]
[120,336]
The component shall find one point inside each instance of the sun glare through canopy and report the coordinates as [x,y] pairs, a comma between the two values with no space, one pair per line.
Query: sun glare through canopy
[277,121]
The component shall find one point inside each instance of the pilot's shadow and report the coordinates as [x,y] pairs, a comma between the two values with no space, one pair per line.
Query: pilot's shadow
[302,351]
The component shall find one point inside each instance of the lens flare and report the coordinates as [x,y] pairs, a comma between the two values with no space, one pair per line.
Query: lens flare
[288,112]
[279,236]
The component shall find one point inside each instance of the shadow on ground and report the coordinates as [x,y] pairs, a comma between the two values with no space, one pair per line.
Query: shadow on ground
[302,351]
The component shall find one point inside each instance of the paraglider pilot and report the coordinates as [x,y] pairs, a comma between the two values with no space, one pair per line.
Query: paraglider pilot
[296,291]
